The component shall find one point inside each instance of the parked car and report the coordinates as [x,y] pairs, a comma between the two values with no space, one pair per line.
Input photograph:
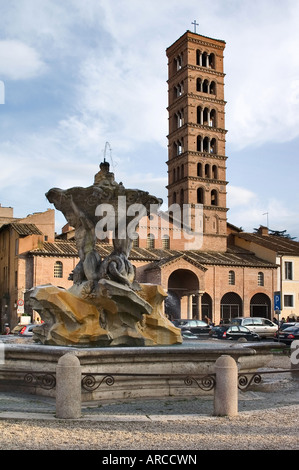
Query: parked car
[283,326]
[262,326]
[186,334]
[288,335]
[194,326]
[218,330]
[24,330]
[236,332]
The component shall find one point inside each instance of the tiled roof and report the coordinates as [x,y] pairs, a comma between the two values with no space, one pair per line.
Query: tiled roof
[58,248]
[22,229]
[234,256]
[281,245]
[26,229]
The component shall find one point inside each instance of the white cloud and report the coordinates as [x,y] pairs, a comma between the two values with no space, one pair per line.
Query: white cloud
[19,61]
[237,196]
[248,210]
[262,67]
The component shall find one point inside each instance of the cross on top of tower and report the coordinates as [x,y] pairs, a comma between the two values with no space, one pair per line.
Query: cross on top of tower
[195,24]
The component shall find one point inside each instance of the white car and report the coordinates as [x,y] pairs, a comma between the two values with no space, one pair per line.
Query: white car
[262,326]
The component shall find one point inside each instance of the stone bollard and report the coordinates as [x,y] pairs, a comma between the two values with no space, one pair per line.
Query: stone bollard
[68,387]
[295,359]
[226,390]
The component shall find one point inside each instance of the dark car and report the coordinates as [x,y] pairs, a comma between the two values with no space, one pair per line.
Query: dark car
[194,326]
[218,330]
[288,335]
[186,334]
[236,332]
[283,326]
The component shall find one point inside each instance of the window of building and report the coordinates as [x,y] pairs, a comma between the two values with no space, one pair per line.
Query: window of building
[199,84]
[199,144]
[205,86]
[213,146]
[199,115]
[165,242]
[212,122]
[231,278]
[260,279]
[178,62]
[198,57]
[136,242]
[206,145]
[207,171]
[211,61]
[179,90]
[200,196]
[214,197]
[178,148]
[213,88]
[288,270]
[179,119]
[150,242]
[288,300]
[182,197]
[214,172]
[58,269]
[199,169]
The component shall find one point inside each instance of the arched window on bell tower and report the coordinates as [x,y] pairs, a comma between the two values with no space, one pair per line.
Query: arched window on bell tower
[181,197]
[214,198]
[199,85]
[199,144]
[200,196]
[199,169]
[214,172]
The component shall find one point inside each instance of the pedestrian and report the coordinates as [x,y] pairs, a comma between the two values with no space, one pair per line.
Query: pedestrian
[6,329]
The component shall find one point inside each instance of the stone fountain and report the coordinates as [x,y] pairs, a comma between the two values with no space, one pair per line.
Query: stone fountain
[114,325]
[106,306]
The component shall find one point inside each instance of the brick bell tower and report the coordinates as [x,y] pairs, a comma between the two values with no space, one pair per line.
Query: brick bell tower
[196,139]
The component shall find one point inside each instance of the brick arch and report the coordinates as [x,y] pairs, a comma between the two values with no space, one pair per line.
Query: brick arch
[183,279]
[184,282]
[231,306]
[260,305]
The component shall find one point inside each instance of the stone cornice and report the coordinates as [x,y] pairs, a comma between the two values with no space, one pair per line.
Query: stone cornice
[196,154]
[196,96]
[198,68]
[215,130]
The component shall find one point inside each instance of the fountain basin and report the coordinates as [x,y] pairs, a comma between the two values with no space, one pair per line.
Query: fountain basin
[132,372]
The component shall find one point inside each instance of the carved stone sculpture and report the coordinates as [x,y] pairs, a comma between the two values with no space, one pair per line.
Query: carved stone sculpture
[105,306]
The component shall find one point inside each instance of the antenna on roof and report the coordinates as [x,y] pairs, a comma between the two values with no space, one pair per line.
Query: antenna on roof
[106,149]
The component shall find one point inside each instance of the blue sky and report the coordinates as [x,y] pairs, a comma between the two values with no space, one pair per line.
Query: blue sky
[78,74]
